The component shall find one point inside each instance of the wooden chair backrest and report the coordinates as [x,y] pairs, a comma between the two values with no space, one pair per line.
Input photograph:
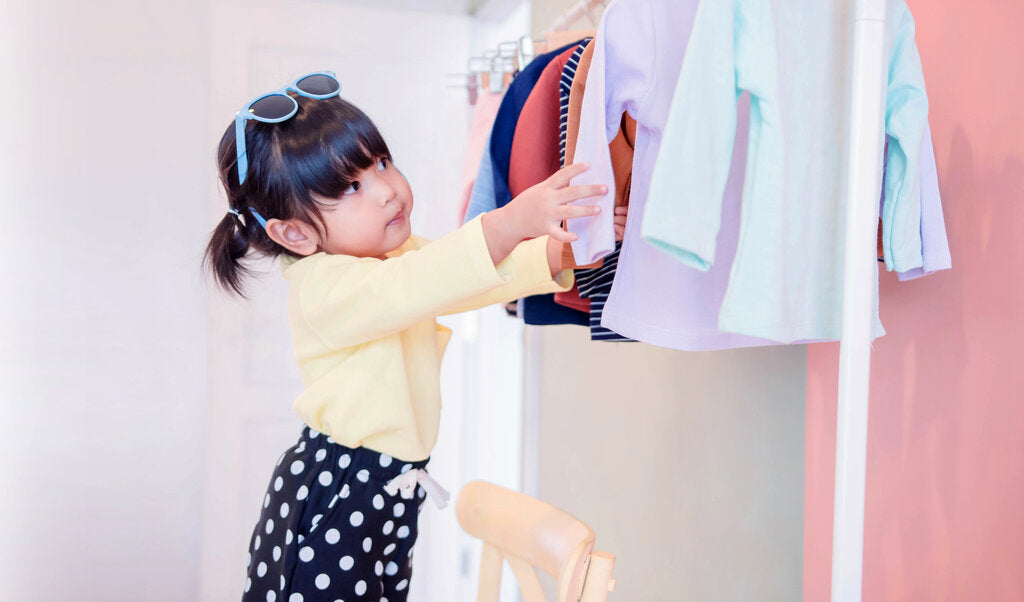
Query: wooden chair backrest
[527,533]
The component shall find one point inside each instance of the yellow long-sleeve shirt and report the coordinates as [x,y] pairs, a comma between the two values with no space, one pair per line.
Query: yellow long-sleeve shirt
[366,340]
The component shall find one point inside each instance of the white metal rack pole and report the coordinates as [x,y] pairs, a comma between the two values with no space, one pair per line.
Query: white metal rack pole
[860,280]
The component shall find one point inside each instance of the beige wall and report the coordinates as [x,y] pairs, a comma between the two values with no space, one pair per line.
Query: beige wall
[689,466]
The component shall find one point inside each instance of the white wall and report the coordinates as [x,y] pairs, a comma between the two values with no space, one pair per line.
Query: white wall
[142,412]
[105,158]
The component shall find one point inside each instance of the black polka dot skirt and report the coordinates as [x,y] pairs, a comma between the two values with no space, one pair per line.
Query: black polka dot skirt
[328,529]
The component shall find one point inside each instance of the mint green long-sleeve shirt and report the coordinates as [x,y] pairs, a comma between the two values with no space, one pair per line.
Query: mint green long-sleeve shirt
[794,58]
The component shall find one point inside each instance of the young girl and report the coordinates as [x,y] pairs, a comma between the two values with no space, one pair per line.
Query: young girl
[309,178]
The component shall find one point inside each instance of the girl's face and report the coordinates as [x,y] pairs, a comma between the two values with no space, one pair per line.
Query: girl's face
[372,216]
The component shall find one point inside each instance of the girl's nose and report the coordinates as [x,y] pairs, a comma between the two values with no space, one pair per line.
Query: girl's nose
[386,193]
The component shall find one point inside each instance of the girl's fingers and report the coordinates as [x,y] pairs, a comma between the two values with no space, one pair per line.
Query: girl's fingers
[573,211]
[562,177]
[561,235]
[621,210]
[574,193]
[619,220]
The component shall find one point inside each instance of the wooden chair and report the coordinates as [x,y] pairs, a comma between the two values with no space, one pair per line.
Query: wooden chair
[529,533]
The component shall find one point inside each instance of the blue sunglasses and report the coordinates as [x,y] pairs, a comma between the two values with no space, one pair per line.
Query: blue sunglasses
[278,106]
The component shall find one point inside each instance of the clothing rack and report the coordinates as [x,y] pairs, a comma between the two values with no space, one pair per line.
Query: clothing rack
[860,280]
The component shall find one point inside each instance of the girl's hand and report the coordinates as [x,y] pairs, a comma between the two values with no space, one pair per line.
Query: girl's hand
[620,222]
[542,208]
[539,210]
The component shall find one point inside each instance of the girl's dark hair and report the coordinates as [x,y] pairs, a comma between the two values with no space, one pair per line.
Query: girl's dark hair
[293,165]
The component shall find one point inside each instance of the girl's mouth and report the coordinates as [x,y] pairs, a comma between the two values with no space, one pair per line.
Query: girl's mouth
[398,220]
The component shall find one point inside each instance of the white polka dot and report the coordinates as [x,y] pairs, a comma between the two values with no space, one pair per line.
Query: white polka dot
[297,466]
[378,568]
[404,583]
[271,596]
[406,468]
[363,475]
[346,563]
[282,582]
[402,532]
[302,493]
[422,493]
[344,461]
[382,599]
[306,554]
[266,501]
[378,502]
[334,500]
[345,491]
[330,439]
[316,521]
[249,564]
[301,537]
[281,458]
[248,584]
[261,569]
[288,538]
[321,454]
[270,526]
[409,556]
[277,553]
[325,478]
[356,519]
[391,548]
[296,597]
[322,581]
[367,545]
[385,460]
[392,569]
[278,484]
[360,588]
[399,509]
[389,527]
[284,509]
[300,448]
[313,434]
[332,536]
[256,543]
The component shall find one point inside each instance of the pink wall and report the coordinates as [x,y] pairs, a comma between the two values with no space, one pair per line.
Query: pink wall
[945,467]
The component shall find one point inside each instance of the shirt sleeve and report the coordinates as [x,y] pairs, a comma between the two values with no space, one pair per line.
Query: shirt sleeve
[934,243]
[684,205]
[348,300]
[618,80]
[481,198]
[906,116]
[530,275]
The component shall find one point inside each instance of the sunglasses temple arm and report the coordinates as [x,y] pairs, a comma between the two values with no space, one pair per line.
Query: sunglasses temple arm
[242,160]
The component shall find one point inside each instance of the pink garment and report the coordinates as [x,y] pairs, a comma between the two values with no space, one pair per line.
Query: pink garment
[486,108]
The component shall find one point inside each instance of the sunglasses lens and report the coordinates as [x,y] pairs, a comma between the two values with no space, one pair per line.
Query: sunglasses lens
[318,85]
[276,106]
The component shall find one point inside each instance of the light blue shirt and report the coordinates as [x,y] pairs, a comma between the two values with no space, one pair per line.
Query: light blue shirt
[793,57]
[482,198]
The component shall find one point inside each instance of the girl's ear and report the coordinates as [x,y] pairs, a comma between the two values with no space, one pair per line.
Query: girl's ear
[295,235]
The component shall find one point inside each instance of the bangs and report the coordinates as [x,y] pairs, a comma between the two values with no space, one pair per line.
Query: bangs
[330,142]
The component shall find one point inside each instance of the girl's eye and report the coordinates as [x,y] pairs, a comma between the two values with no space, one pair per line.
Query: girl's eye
[382,164]
[352,188]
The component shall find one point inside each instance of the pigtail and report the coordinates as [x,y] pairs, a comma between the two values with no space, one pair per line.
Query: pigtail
[227,248]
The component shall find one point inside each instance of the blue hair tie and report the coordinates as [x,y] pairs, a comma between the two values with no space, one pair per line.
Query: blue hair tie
[258,217]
